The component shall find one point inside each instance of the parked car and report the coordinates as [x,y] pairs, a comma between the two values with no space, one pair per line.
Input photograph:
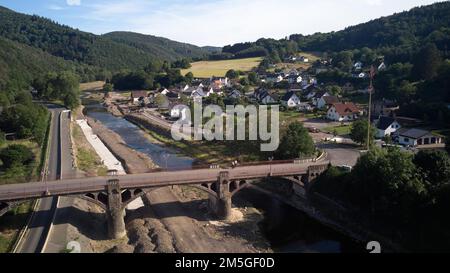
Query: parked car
[313,130]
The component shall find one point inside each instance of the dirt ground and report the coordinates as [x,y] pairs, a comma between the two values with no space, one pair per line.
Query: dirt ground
[172,220]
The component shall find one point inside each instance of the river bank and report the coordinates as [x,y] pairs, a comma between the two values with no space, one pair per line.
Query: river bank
[316,237]
[166,224]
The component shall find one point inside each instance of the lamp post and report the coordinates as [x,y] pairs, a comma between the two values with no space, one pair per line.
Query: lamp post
[165,156]
[372,74]
[270,165]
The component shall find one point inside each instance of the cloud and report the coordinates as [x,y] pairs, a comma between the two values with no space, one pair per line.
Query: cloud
[73,2]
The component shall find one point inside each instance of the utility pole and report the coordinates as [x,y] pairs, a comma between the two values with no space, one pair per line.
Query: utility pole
[369,125]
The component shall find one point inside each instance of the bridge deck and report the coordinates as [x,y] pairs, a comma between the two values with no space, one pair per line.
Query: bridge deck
[16,192]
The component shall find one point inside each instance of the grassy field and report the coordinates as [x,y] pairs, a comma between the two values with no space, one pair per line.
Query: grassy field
[89,86]
[207,69]
[341,130]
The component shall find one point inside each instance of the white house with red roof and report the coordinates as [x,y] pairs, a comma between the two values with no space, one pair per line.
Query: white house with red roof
[346,111]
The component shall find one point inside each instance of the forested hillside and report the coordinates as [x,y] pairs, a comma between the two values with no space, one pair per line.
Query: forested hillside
[397,37]
[126,51]
[164,48]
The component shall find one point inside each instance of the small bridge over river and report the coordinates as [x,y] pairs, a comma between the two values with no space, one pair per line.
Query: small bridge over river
[114,193]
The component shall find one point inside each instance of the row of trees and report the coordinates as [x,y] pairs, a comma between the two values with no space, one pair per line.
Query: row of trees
[128,80]
[400,195]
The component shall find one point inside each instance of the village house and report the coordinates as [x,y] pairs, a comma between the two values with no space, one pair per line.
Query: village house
[386,126]
[235,94]
[346,111]
[318,95]
[179,111]
[264,97]
[138,96]
[305,107]
[326,101]
[274,78]
[417,137]
[290,100]
[292,79]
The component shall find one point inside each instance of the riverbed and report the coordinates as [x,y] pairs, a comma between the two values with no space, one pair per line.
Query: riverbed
[286,228]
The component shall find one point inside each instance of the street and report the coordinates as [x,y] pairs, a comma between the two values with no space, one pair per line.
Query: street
[38,229]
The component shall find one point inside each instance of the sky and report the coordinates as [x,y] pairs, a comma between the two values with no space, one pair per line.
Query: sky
[212,22]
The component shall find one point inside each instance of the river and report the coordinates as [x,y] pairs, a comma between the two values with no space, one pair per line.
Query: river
[286,228]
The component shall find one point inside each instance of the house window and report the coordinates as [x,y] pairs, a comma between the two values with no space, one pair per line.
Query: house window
[405,139]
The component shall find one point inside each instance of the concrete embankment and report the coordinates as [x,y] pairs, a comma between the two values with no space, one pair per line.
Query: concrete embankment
[108,159]
[133,161]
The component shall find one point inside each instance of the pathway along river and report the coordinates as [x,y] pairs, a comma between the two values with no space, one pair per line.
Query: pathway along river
[287,229]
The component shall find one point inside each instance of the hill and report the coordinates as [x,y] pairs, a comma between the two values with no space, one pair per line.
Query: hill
[157,46]
[20,64]
[114,51]
[396,36]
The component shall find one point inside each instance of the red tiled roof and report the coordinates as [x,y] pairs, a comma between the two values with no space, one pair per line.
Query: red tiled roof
[346,108]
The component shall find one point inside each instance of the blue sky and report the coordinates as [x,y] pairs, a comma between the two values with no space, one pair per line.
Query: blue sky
[212,22]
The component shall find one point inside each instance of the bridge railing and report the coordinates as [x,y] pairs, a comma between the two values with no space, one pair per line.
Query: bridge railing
[245,164]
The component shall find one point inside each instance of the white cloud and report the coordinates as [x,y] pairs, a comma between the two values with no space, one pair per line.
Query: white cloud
[73,2]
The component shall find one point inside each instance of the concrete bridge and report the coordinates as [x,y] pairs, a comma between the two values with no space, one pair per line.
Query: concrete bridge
[114,193]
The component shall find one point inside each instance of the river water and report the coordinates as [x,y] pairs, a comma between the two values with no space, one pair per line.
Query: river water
[287,229]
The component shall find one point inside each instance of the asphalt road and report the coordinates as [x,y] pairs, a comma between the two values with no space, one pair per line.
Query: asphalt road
[340,154]
[35,236]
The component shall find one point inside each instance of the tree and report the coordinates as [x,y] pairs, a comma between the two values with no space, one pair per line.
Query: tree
[296,143]
[232,74]
[427,62]
[244,81]
[447,144]
[2,138]
[335,90]
[16,154]
[108,87]
[387,184]
[253,78]
[161,100]
[359,132]
[189,77]
[435,165]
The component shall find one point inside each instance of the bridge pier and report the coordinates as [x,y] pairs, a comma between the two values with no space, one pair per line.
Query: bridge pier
[115,212]
[221,203]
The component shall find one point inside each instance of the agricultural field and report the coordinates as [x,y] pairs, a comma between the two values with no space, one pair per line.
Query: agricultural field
[92,86]
[207,69]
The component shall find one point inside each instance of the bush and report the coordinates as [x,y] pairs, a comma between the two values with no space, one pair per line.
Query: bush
[16,155]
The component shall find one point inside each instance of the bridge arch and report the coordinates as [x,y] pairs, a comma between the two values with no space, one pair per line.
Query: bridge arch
[236,186]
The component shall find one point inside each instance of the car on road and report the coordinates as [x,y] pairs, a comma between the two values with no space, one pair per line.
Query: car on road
[313,130]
